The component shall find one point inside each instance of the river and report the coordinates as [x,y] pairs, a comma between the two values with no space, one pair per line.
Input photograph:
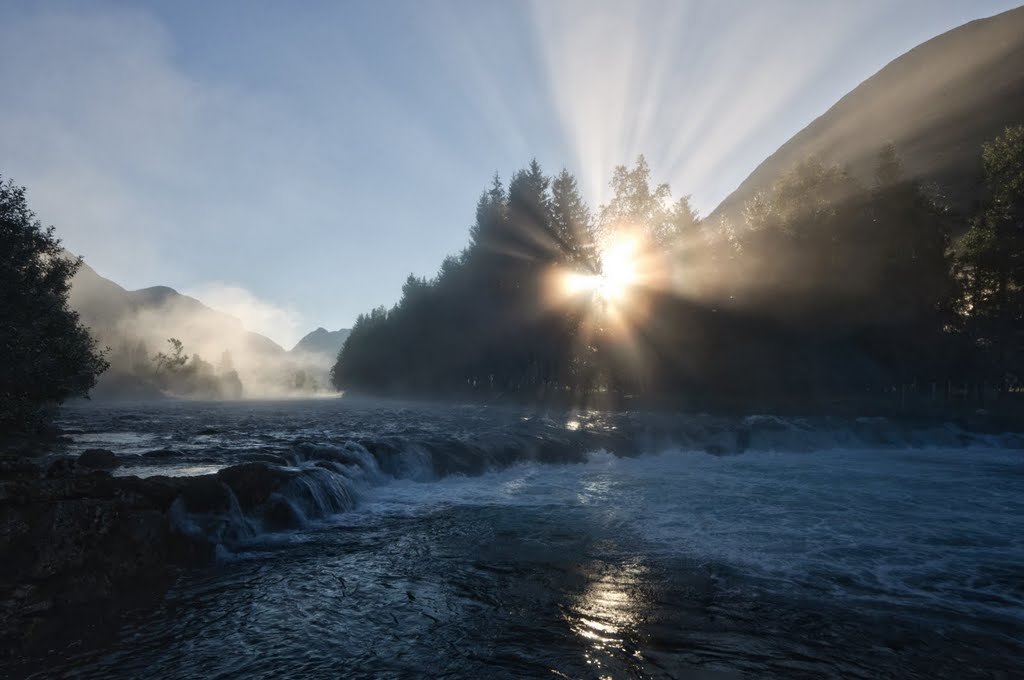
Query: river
[474,541]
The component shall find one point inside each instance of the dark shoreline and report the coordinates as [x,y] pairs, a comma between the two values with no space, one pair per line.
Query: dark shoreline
[990,417]
[82,549]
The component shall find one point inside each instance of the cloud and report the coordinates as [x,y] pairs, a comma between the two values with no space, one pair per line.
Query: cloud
[155,175]
[280,324]
[161,170]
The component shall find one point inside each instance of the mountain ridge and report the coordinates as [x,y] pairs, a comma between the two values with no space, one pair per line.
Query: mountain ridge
[937,102]
[101,303]
[223,359]
[322,341]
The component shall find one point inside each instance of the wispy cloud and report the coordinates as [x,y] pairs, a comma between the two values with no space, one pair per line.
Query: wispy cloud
[155,176]
[281,324]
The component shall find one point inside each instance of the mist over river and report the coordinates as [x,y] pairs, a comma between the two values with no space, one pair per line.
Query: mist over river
[406,540]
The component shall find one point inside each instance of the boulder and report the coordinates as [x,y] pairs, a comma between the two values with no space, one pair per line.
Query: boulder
[98,459]
[161,453]
[78,550]
[252,483]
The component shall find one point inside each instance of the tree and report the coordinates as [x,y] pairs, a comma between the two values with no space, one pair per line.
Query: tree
[174,362]
[901,262]
[46,354]
[572,223]
[636,205]
[993,262]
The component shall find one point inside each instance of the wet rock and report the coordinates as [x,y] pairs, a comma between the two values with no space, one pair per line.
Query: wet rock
[98,459]
[252,483]
[161,453]
[264,457]
[78,550]
[206,495]
[388,455]
[280,515]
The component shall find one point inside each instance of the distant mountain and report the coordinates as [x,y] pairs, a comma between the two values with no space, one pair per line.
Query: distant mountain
[322,341]
[938,103]
[114,311]
[224,359]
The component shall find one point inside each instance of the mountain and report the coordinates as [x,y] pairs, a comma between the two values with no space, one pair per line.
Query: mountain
[110,310]
[221,358]
[938,103]
[322,342]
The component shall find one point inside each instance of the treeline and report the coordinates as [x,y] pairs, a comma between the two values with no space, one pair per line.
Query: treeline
[137,372]
[828,290]
[174,371]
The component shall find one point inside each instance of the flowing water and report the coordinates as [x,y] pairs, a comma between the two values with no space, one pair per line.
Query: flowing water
[466,541]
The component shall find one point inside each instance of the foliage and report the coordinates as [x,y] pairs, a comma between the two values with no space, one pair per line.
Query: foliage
[177,373]
[828,289]
[992,264]
[48,355]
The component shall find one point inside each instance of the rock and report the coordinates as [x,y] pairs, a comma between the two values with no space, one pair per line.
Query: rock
[80,548]
[63,467]
[19,467]
[98,459]
[161,453]
[206,495]
[280,515]
[252,483]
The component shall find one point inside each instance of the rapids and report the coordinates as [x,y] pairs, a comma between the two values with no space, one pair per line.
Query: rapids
[406,540]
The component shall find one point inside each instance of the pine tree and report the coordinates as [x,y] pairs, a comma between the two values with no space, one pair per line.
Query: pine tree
[572,223]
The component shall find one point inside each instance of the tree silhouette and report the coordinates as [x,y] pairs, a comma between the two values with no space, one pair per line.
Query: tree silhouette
[828,290]
[46,354]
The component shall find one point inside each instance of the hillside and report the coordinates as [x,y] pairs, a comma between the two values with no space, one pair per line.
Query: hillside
[160,311]
[938,103]
[224,358]
[322,342]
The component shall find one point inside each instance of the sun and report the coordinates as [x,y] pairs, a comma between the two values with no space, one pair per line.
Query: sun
[618,269]
[618,273]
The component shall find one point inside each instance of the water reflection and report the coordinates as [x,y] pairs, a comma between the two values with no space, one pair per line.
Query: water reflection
[608,614]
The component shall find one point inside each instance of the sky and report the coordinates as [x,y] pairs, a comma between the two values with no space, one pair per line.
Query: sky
[292,163]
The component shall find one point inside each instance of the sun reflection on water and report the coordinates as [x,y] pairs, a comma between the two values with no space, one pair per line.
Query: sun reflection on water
[607,614]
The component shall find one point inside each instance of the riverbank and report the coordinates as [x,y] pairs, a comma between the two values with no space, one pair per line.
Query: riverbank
[81,549]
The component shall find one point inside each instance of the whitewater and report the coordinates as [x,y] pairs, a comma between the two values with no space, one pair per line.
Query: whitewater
[410,540]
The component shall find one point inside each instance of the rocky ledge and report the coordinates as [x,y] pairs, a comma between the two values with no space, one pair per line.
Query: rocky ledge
[81,548]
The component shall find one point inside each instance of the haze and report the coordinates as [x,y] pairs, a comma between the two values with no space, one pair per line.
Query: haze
[291,166]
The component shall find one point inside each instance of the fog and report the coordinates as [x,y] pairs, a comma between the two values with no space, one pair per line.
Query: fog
[218,358]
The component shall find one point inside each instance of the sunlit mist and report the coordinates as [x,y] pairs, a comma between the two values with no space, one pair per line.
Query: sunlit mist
[624,264]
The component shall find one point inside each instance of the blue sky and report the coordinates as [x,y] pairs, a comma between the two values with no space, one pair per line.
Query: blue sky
[292,162]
